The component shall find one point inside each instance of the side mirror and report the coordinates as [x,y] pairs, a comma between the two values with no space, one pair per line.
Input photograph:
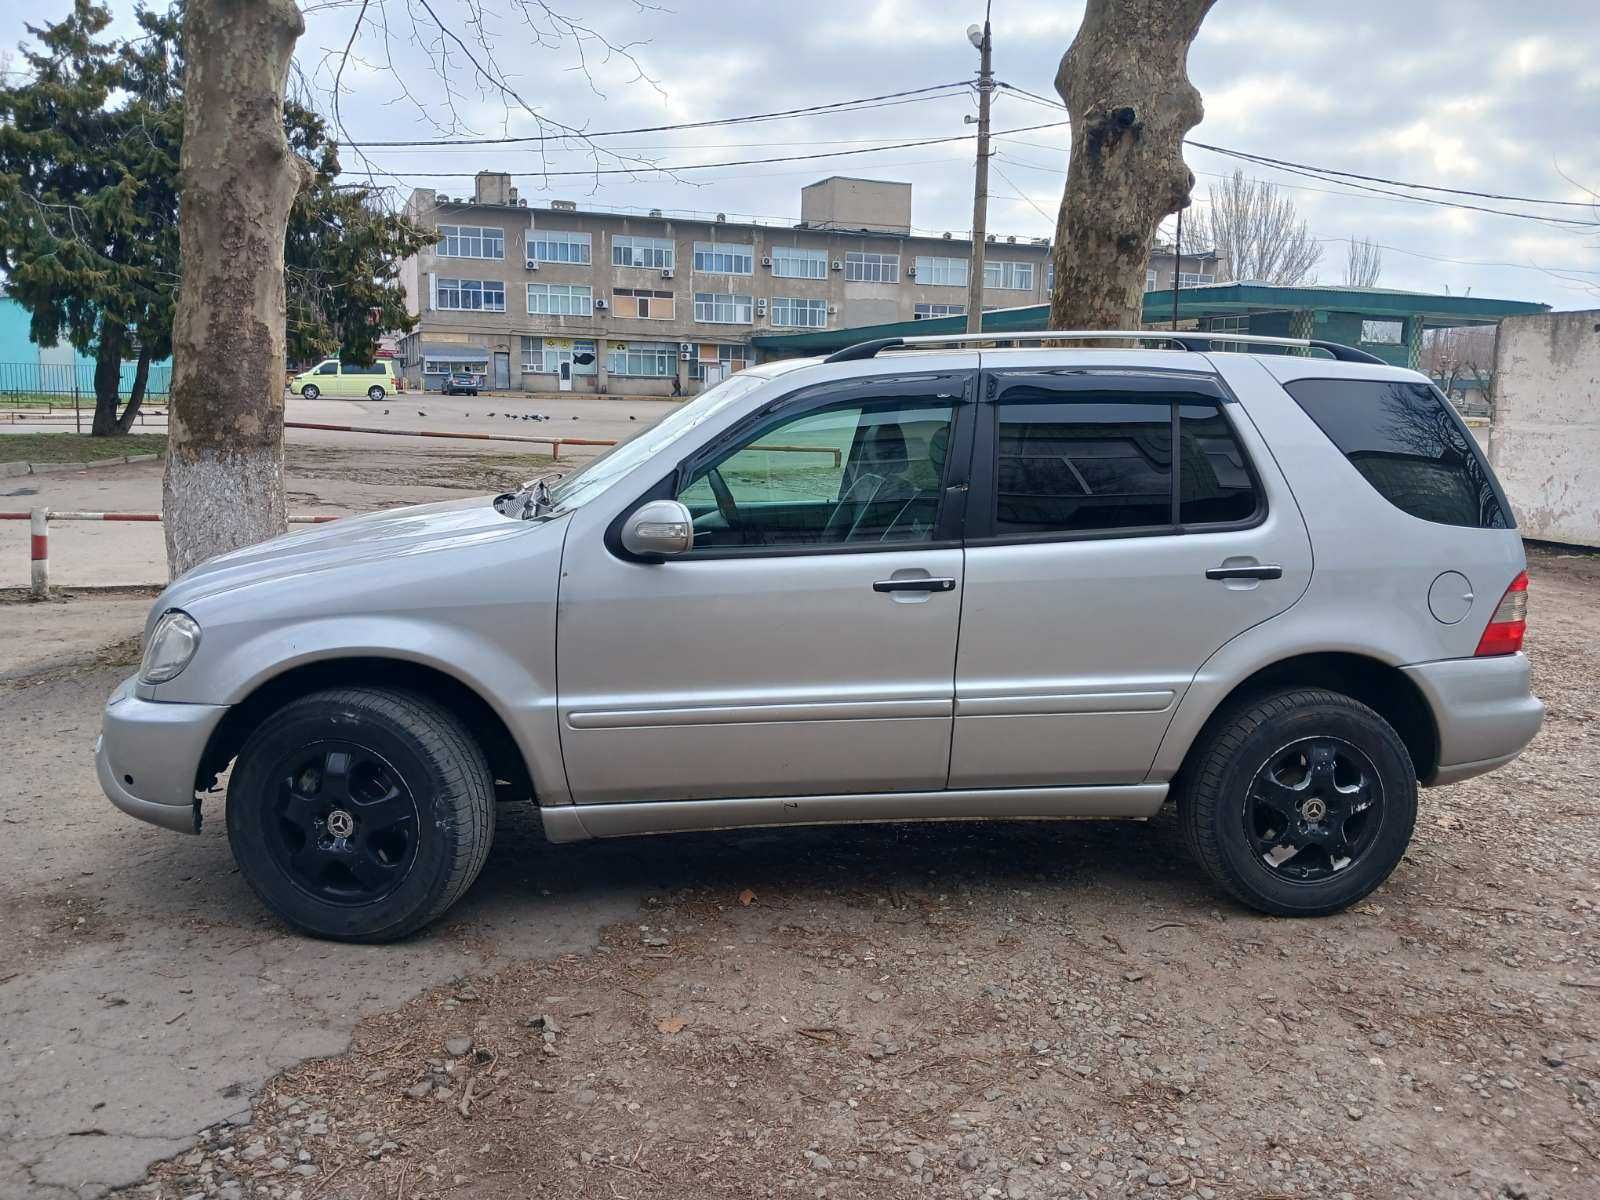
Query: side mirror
[659,528]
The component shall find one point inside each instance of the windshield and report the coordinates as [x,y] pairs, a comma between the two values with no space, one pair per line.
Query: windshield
[593,479]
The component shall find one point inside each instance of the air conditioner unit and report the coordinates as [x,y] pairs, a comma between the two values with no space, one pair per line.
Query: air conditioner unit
[685,347]
[911,272]
[532,264]
[837,265]
[833,310]
[601,305]
[684,356]
[766,260]
[666,272]
[761,306]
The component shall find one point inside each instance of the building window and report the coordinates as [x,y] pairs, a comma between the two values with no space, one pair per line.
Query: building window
[1149,279]
[1194,278]
[1012,276]
[792,262]
[471,241]
[643,303]
[487,295]
[651,254]
[1383,333]
[560,300]
[722,308]
[545,355]
[731,359]
[860,267]
[720,258]
[549,246]
[651,360]
[941,272]
[793,312]
[1228,325]
[927,312]
[446,366]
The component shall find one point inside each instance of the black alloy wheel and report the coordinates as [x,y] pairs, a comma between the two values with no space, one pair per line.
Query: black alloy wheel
[344,825]
[1314,808]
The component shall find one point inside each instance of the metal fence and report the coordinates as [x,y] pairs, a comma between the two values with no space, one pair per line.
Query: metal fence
[65,384]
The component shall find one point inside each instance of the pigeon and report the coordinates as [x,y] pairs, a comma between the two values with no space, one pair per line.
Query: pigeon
[633,418]
[420,413]
[491,416]
[386,412]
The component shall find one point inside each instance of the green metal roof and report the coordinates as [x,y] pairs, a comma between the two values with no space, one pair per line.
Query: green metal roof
[1207,300]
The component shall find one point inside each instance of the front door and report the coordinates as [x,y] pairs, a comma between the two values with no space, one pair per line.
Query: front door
[806,645]
[564,376]
[502,370]
[1122,527]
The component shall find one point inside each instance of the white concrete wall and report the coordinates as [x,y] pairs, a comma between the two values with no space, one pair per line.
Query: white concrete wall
[1545,441]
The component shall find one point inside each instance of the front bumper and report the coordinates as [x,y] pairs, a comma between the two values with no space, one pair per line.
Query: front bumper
[1484,709]
[148,753]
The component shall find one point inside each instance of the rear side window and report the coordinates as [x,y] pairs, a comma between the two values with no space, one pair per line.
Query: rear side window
[1078,462]
[1408,443]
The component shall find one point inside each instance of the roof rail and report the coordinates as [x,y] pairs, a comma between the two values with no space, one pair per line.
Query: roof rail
[1198,342]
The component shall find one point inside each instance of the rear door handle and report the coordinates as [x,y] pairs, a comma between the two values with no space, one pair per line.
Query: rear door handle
[914,585]
[1264,571]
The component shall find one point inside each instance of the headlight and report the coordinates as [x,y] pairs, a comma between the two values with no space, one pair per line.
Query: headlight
[171,646]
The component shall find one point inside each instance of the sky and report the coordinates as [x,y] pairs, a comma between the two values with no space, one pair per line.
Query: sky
[1477,95]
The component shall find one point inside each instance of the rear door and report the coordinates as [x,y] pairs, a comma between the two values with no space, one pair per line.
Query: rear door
[1122,526]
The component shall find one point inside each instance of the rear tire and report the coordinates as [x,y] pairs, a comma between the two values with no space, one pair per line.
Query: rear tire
[1299,803]
[310,391]
[360,814]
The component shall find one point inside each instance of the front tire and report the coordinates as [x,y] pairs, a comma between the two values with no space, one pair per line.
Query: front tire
[375,393]
[1299,803]
[360,814]
[310,391]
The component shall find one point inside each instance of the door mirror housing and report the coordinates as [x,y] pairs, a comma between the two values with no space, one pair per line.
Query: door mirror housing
[658,529]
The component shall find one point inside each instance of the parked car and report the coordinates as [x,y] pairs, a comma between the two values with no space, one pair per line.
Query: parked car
[1278,590]
[462,383]
[347,381]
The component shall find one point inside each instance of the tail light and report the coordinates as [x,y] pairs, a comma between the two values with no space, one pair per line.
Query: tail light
[1509,622]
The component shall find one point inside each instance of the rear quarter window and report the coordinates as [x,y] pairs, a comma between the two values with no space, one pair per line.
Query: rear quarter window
[1409,444]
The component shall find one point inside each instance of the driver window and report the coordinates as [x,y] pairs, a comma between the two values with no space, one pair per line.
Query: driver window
[855,473]
[328,368]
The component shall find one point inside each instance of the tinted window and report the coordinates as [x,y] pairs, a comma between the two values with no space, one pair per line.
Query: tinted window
[375,369]
[1214,480]
[855,473]
[1075,462]
[1409,445]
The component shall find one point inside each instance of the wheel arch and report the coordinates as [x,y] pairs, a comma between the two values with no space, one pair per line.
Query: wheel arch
[506,760]
[1381,686]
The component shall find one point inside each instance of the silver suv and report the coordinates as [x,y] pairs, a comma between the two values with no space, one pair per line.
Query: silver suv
[918,579]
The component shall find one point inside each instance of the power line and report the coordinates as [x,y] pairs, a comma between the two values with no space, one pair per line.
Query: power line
[742,162]
[1347,179]
[861,103]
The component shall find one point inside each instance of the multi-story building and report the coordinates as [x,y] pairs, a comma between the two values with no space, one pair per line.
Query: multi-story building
[554,297]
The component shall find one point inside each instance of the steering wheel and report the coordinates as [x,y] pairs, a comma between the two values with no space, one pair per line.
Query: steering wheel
[724,497]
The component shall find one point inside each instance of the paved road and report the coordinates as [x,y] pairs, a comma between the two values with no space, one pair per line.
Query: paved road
[144,994]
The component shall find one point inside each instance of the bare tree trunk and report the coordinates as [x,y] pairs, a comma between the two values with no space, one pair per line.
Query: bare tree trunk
[1125,82]
[107,378]
[141,380]
[224,475]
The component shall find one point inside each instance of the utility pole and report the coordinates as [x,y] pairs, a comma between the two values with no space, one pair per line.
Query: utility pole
[980,185]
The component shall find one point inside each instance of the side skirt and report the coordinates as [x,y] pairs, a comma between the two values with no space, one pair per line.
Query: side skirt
[576,822]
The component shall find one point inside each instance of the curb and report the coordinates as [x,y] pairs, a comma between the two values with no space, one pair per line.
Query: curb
[10,470]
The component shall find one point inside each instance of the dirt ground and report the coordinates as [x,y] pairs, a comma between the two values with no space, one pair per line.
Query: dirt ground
[993,1011]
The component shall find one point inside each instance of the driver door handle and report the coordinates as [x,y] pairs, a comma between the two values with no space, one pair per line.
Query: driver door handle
[1260,571]
[914,585]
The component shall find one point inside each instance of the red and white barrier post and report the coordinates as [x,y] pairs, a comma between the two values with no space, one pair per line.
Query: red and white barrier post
[39,528]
